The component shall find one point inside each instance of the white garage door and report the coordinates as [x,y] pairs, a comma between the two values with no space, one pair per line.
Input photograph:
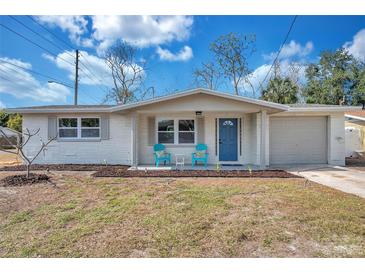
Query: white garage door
[298,140]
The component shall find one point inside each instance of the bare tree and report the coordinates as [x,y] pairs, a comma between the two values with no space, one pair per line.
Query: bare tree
[23,139]
[232,52]
[128,74]
[207,76]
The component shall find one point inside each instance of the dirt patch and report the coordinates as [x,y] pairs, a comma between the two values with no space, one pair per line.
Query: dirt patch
[19,180]
[65,167]
[123,172]
[357,162]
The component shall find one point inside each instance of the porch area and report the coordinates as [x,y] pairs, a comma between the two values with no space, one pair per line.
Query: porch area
[195,167]
[234,140]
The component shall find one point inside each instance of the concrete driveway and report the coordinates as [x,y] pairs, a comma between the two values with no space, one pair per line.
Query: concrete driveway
[346,179]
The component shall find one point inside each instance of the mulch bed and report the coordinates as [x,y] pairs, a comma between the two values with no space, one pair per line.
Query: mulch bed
[59,167]
[355,161]
[122,172]
[19,180]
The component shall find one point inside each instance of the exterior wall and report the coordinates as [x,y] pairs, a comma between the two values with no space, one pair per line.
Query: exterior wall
[115,150]
[335,134]
[336,139]
[361,127]
[249,141]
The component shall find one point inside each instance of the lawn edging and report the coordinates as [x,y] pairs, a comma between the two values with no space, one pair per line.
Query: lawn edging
[118,172]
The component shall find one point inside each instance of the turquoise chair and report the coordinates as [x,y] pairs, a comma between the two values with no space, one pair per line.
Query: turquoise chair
[200,155]
[160,155]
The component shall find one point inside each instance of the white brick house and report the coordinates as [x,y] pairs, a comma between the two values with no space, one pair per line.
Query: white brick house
[236,129]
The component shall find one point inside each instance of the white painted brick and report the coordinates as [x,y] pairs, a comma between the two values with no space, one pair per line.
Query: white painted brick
[115,150]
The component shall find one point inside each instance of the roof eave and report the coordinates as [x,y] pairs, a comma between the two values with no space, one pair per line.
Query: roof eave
[355,117]
[323,109]
[68,110]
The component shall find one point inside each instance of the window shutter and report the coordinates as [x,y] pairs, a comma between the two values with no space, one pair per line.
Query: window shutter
[151,130]
[200,124]
[52,127]
[104,127]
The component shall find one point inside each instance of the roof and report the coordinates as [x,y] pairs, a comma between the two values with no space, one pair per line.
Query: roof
[8,131]
[357,115]
[115,108]
[67,106]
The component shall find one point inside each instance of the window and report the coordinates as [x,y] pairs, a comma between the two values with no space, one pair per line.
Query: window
[76,128]
[166,131]
[67,127]
[186,132]
[90,127]
[177,131]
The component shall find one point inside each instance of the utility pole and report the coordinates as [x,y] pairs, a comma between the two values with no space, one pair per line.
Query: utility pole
[76,77]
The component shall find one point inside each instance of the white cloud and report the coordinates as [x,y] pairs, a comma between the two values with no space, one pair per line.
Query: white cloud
[21,84]
[2,105]
[142,31]
[357,46]
[184,54]
[93,70]
[100,73]
[257,77]
[76,26]
[292,50]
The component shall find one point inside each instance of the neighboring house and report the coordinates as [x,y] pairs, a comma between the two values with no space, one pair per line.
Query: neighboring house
[12,136]
[355,132]
[236,129]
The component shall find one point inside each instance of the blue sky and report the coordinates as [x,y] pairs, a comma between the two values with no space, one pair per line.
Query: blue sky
[173,45]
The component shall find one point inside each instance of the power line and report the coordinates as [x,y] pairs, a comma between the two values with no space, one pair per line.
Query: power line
[31,71]
[12,81]
[280,49]
[5,78]
[36,44]
[38,34]
[70,46]
[101,82]
[50,32]
[93,80]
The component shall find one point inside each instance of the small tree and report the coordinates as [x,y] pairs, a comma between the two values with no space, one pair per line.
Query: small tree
[207,76]
[23,139]
[4,117]
[15,122]
[281,90]
[128,74]
[232,52]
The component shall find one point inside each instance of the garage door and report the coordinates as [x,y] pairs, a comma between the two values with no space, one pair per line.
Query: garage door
[298,140]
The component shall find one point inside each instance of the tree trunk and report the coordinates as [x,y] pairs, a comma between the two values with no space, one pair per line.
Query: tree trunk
[28,171]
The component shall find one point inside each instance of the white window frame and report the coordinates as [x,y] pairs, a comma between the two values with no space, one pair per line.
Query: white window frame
[79,128]
[182,131]
[99,128]
[163,131]
[176,130]
[58,128]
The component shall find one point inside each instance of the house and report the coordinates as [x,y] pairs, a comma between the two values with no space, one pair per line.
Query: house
[8,135]
[237,130]
[355,132]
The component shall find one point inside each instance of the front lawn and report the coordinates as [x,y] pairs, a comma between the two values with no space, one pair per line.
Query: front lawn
[187,217]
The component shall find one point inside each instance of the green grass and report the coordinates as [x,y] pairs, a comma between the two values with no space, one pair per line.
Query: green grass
[206,217]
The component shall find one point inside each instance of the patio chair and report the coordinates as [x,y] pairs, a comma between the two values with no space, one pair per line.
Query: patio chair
[161,155]
[200,155]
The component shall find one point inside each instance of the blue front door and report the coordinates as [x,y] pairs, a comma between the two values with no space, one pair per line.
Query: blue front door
[228,139]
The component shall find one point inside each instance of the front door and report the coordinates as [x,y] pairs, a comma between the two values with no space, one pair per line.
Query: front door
[228,139]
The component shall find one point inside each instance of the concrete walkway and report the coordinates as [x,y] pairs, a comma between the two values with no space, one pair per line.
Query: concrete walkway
[346,179]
